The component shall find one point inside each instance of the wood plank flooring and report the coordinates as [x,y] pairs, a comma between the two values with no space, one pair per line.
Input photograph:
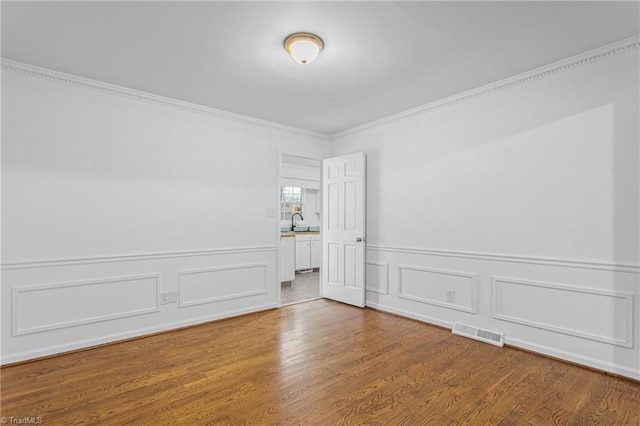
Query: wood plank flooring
[319,363]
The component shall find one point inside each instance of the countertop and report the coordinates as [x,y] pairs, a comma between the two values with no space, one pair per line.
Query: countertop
[293,234]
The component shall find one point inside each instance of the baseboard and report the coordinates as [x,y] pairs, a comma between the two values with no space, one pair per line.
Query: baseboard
[583,361]
[572,358]
[81,345]
[412,315]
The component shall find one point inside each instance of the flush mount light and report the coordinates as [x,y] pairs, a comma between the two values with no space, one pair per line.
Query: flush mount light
[304,48]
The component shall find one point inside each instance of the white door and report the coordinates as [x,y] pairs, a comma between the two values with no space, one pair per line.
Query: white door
[343,226]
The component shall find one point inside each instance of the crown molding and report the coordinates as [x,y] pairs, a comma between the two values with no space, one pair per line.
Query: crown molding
[526,77]
[137,95]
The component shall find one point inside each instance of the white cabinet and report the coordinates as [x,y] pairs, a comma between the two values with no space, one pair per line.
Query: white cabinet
[308,251]
[303,252]
[287,259]
[316,251]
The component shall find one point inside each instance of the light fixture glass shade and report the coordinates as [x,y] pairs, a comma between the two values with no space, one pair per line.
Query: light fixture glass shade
[304,48]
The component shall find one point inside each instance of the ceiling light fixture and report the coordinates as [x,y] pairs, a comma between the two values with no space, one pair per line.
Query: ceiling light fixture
[304,48]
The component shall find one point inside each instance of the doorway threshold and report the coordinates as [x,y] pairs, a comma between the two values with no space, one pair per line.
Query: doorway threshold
[300,301]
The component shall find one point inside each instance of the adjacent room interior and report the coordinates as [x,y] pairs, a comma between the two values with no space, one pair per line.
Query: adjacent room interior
[320,212]
[300,223]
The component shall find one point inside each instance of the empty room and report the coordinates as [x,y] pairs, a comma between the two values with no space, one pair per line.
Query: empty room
[366,212]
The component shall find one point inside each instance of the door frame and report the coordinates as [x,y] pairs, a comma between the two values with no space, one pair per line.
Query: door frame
[280,153]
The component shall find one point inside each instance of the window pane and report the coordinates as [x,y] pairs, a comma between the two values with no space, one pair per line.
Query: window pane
[290,201]
[291,194]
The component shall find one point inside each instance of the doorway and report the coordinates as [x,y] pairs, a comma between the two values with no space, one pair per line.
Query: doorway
[300,222]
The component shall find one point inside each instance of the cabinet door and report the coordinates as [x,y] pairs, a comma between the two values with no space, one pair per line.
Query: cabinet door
[316,250]
[303,255]
[287,259]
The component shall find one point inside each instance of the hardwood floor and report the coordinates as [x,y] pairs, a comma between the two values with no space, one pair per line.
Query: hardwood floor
[320,363]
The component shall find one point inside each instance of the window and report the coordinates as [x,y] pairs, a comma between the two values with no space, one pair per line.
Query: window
[290,202]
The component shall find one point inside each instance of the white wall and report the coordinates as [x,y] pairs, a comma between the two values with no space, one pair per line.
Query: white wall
[108,201]
[525,202]
[302,176]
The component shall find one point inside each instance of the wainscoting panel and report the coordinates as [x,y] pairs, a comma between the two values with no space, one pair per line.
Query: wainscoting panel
[429,285]
[49,306]
[603,316]
[208,285]
[377,276]
[46,307]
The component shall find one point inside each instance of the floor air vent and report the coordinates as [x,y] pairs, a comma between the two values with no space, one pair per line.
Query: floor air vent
[476,333]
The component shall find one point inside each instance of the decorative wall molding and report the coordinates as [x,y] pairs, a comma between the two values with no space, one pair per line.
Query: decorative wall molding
[18,293]
[526,77]
[559,262]
[49,263]
[136,95]
[472,281]
[383,287]
[627,299]
[548,261]
[183,275]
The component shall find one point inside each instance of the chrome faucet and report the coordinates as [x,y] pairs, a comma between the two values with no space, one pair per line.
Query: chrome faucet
[293,225]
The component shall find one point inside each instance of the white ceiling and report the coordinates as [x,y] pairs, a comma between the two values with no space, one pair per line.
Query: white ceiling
[380,58]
